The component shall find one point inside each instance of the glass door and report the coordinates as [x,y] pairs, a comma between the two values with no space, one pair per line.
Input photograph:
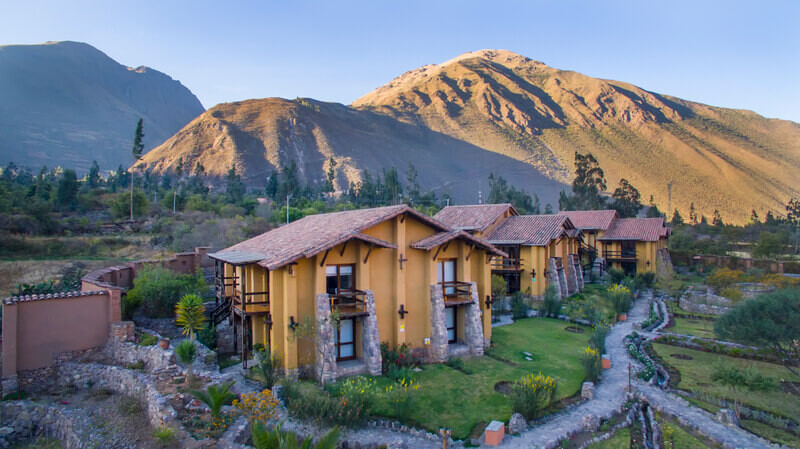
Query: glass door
[345,340]
[450,323]
[446,276]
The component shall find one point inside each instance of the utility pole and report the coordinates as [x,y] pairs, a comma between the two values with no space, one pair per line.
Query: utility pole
[669,199]
[174,196]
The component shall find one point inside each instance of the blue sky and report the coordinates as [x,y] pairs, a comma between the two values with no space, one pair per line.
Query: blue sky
[725,53]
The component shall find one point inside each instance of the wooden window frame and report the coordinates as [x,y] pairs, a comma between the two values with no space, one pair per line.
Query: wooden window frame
[339,277]
[440,271]
[455,325]
[338,343]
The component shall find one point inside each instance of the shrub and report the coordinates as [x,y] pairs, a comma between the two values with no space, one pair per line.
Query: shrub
[186,352]
[402,396]
[724,278]
[616,275]
[648,278]
[165,436]
[552,302]
[621,298]
[321,407]
[591,311]
[359,392]
[732,293]
[397,356]
[590,359]
[268,369]
[780,281]
[208,337]
[216,396]
[519,308]
[598,338]
[532,394]
[263,438]
[573,310]
[190,314]
[145,339]
[156,290]
[499,287]
[257,406]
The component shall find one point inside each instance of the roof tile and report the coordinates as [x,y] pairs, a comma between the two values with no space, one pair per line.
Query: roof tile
[535,230]
[474,217]
[590,219]
[643,229]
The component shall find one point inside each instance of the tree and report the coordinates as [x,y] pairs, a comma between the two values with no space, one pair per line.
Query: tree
[501,192]
[717,220]
[548,209]
[234,187]
[136,152]
[586,187]
[754,217]
[793,216]
[93,179]
[67,192]
[412,185]
[652,210]
[769,245]
[626,199]
[771,321]
[677,219]
[179,167]
[190,314]
[330,182]
[692,214]
[271,188]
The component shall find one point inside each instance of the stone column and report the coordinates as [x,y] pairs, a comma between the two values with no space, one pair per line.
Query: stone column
[552,275]
[562,279]
[438,346]
[473,326]
[370,339]
[576,261]
[325,363]
[572,277]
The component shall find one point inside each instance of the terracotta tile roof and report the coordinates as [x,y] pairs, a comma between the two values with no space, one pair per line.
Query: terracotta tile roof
[590,219]
[533,230]
[441,238]
[474,217]
[316,233]
[60,295]
[643,229]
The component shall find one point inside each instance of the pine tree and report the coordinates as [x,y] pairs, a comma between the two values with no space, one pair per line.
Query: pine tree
[548,209]
[94,175]
[717,220]
[754,217]
[692,214]
[677,219]
[138,147]
[330,185]
[234,187]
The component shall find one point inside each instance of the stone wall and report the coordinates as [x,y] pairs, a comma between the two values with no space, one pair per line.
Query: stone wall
[370,339]
[553,277]
[22,421]
[576,263]
[752,290]
[122,276]
[570,273]
[325,364]
[664,267]
[703,300]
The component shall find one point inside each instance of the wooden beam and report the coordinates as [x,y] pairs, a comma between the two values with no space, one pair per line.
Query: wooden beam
[488,257]
[438,248]
[471,247]
[369,251]
[447,245]
[344,247]
[402,218]
[325,257]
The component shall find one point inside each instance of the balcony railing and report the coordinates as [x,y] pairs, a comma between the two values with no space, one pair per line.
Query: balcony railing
[245,306]
[620,255]
[457,292]
[506,264]
[349,302]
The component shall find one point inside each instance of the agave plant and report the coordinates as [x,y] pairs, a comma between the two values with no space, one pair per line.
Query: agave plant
[264,438]
[216,396]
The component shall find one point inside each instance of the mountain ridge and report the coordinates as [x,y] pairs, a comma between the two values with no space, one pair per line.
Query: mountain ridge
[519,110]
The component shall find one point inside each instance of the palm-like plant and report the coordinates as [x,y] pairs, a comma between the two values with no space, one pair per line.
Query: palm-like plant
[186,352]
[216,396]
[190,314]
[264,438]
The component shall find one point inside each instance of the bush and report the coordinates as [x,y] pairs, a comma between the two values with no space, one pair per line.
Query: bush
[165,436]
[321,407]
[268,369]
[573,310]
[616,275]
[590,310]
[264,438]
[621,298]
[724,278]
[216,396]
[532,394]
[208,337]
[552,302]
[590,359]
[598,338]
[519,307]
[780,281]
[257,406]
[499,287]
[393,357]
[732,293]
[156,290]
[402,396]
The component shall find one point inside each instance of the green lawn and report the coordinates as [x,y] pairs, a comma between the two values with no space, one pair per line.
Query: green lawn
[694,327]
[449,398]
[681,439]
[620,439]
[696,375]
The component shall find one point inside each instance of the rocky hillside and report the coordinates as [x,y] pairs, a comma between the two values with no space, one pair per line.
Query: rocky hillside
[494,110]
[67,103]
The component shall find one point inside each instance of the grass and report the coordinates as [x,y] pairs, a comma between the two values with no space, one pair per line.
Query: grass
[449,398]
[227,360]
[696,328]
[771,433]
[681,439]
[40,442]
[620,439]
[696,375]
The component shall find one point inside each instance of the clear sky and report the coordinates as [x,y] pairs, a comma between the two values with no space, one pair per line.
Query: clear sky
[739,54]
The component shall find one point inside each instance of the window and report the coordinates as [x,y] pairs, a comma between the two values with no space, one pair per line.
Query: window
[339,279]
[345,340]
[446,276]
[450,323]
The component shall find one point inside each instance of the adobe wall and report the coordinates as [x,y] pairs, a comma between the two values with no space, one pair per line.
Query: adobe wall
[121,276]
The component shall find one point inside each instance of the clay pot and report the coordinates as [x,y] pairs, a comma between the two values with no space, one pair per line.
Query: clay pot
[606,360]
[164,343]
[622,317]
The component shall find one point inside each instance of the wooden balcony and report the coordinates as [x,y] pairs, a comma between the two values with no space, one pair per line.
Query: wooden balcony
[350,303]
[506,264]
[244,304]
[457,293]
[620,256]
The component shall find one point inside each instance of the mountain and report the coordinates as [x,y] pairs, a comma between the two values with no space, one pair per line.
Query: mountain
[526,120]
[67,103]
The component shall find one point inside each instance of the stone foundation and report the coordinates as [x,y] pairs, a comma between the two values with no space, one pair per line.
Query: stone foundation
[571,276]
[576,262]
[552,276]
[22,421]
[370,339]
[438,347]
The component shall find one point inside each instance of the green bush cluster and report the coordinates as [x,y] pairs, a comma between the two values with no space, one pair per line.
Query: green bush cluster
[519,306]
[552,302]
[344,407]
[532,394]
[156,290]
